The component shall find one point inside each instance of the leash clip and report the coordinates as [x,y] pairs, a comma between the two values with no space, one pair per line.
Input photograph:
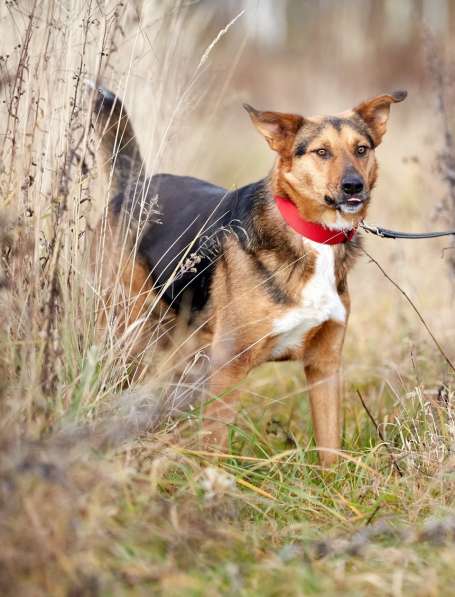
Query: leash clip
[372,229]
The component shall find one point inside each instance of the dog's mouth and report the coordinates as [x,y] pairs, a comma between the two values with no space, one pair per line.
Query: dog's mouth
[349,205]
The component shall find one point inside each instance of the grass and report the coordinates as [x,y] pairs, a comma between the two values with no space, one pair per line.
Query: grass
[95,497]
[156,516]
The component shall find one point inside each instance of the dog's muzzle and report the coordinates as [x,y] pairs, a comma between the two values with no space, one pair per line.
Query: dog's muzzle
[349,204]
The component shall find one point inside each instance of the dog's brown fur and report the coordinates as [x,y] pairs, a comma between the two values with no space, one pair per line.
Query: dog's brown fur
[276,273]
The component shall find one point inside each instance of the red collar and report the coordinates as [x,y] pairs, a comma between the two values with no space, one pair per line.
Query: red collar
[310,230]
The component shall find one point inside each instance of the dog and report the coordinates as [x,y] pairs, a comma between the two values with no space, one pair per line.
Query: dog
[262,270]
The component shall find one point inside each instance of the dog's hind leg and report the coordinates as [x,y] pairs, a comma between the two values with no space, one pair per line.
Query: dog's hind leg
[228,369]
[126,294]
[221,410]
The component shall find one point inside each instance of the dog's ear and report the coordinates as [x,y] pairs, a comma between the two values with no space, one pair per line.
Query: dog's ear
[375,112]
[278,128]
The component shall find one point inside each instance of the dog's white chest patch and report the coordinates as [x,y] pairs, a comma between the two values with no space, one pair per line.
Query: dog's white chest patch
[319,302]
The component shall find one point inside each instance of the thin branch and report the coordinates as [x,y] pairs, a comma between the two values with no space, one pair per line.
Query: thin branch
[419,315]
[381,435]
[372,515]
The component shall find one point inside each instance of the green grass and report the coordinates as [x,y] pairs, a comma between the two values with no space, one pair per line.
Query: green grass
[156,516]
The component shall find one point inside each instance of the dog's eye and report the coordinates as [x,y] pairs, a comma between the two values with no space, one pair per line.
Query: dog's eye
[322,153]
[362,150]
[300,150]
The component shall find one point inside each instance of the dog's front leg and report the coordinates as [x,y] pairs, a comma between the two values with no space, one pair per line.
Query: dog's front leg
[322,369]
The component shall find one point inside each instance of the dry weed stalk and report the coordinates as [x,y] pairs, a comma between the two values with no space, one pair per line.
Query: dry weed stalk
[440,70]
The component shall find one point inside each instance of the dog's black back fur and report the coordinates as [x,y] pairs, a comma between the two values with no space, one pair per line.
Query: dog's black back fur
[194,218]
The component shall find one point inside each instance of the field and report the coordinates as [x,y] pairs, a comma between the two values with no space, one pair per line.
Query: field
[99,495]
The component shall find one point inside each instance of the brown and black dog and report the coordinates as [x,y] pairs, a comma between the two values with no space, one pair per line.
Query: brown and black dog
[262,268]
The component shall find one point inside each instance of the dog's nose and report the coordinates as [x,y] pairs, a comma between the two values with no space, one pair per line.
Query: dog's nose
[352,184]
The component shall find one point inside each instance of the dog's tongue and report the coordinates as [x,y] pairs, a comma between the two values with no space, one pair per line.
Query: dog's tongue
[354,201]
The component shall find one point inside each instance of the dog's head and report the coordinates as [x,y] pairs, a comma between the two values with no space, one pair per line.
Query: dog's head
[327,164]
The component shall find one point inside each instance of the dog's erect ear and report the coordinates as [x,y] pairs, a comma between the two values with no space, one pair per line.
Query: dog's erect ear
[375,112]
[278,128]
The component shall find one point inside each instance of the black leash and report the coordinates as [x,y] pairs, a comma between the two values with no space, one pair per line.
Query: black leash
[384,233]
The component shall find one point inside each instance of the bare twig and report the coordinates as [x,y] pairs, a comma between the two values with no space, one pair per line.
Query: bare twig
[381,435]
[369,520]
[410,301]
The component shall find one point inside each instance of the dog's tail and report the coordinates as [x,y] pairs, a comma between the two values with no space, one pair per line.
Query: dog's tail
[120,153]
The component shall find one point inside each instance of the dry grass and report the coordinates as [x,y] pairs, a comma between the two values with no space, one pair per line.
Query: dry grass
[91,501]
